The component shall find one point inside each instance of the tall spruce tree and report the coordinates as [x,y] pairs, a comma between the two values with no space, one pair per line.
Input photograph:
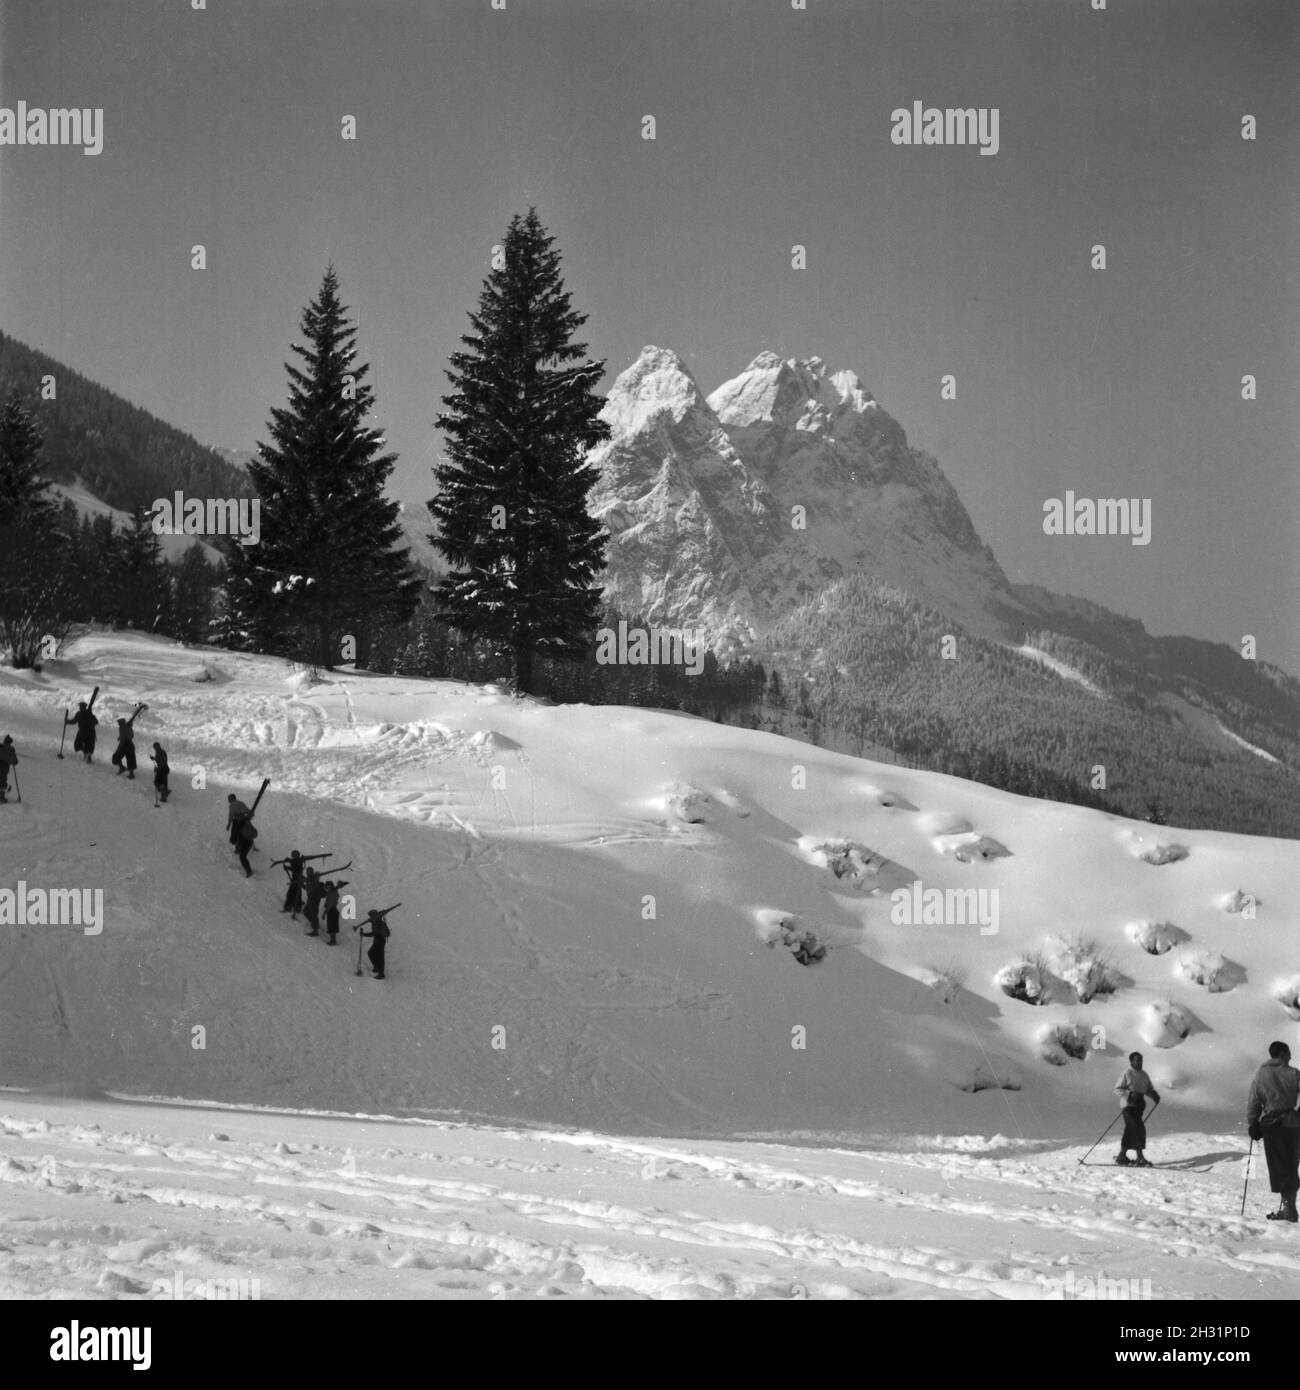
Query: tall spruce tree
[326,562]
[512,494]
[36,585]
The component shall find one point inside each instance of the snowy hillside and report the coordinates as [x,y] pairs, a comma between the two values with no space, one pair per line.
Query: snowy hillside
[615,899]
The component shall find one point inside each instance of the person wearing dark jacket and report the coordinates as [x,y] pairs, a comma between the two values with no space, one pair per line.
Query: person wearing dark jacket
[293,867]
[313,892]
[1272,1115]
[236,814]
[247,834]
[8,759]
[84,743]
[331,900]
[1135,1085]
[124,754]
[161,770]
[380,933]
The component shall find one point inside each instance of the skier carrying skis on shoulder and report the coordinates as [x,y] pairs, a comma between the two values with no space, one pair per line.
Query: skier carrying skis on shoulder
[1273,1117]
[313,892]
[244,843]
[1135,1085]
[84,743]
[331,899]
[293,867]
[380,933]
[8,759]
[124,754]
[161,769]
[236,814]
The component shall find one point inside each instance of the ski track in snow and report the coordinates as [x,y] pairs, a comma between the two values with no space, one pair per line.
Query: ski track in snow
[104,1204]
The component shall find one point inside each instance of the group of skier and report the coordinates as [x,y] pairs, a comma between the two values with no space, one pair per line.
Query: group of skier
[123,757]
[1272,1118]
[308,890]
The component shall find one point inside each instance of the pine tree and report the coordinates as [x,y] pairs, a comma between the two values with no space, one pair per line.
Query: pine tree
[36,595]
[141,580]
[512,495]
[326,562]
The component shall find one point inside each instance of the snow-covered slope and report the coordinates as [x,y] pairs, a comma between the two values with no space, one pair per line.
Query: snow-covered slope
[700,498]
[588,899]
[173,547]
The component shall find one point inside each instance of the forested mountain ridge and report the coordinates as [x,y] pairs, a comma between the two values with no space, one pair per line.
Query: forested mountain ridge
[120,453]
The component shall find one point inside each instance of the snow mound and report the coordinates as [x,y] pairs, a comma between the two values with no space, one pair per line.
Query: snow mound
[1062,1043]
[984,1079]
[1287,993]
[1164,1024]
[939,824]
[1166,853]
[973,848]
[1243,903]
[856,864]
[1155,938]
[1086,968]
[1211,970]
[687,803]
[1024,979]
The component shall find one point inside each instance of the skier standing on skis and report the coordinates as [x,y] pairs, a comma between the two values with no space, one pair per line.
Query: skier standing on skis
[8,759]
[1135,1085]
[236,814]
[380,932]
[124,753]
[161,769]
[1273,1117]
[331,899]
[84,743]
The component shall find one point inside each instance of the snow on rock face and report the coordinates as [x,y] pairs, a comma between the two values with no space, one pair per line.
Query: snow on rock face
[698,497]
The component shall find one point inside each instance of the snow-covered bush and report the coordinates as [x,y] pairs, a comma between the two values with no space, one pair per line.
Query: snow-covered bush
[849,861]
[1206,968]
[1237,901]
[1155,938]
[687,803]
[982,1079]
[1087,969]
[1023,979]
[981,848]
[947,981]
[1168,853]
[1063,1042]
[789,930]
[1287,993]
[1164,1024]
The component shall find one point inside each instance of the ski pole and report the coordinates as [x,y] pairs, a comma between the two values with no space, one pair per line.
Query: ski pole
[63,736]
[360,943]
[17,788]
[1249,1160]
[1105,1132]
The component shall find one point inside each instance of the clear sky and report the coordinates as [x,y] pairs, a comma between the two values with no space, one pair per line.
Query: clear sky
[1120,127]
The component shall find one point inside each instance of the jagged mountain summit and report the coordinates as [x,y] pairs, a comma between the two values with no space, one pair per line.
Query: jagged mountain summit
[727,511]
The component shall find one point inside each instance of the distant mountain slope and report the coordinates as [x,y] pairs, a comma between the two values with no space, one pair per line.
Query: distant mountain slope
[117,452]
[866,658]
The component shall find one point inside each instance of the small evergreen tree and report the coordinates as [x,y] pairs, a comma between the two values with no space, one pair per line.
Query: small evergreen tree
[140,578]
[512,495]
